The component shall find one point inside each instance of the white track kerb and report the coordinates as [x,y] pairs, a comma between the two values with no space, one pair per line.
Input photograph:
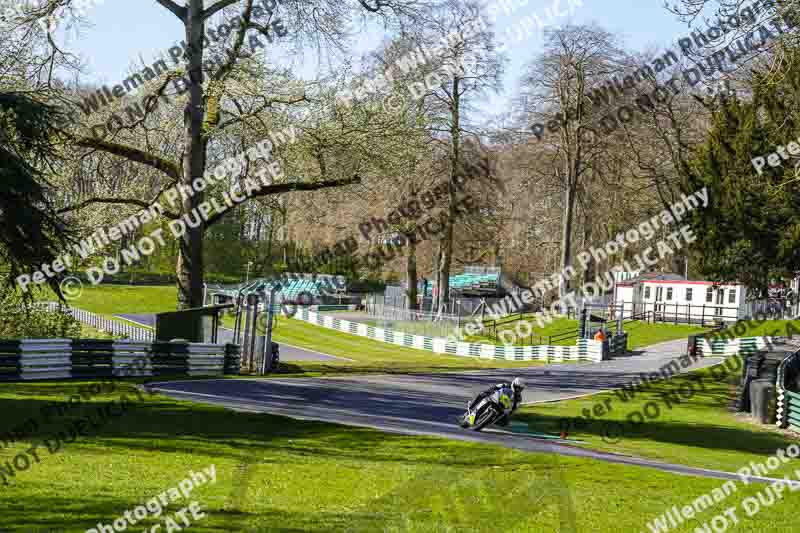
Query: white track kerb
[231,167]
[155,507]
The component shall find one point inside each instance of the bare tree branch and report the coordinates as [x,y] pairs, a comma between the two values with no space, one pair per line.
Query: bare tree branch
[290,187]
[132,154]
[117,201]
[370,8]
[177,10]
[289,100]
[207,13]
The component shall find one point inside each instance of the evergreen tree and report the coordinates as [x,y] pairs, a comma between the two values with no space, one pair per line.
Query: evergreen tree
[31,233]
[750,231]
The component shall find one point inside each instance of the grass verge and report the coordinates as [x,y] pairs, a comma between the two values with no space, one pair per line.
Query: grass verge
[281,475]
[685,420]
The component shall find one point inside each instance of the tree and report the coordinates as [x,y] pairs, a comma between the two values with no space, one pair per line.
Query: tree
[22,318]
[223,94]
[31,233]
[749,232]
[468,66]
[416,168]
[576,60]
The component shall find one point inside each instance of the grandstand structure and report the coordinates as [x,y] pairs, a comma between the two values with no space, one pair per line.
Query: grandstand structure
[477,285]
[304,289]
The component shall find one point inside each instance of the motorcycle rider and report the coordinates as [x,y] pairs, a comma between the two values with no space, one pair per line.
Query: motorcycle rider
[516,387]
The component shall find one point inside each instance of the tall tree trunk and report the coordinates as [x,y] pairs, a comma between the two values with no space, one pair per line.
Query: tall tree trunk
[411,274]
[455,167]
[572,140]
[190,254]
[270,238]
[566,236]
[437,277]
[589,272]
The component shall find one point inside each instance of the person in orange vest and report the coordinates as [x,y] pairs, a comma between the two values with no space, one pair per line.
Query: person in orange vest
[600,335]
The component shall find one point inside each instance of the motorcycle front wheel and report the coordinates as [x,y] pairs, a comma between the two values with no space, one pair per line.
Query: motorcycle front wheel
[485,417]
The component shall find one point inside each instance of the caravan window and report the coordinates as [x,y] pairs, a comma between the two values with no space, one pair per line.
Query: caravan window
[647,293]
[732,296]
[669,293]
[710,294]
[689,295]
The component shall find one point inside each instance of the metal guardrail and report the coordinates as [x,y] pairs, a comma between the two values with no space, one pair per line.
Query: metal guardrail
[33,359]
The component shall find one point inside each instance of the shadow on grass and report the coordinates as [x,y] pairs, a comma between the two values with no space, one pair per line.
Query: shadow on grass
[705,436]
[706,422]
[166,428]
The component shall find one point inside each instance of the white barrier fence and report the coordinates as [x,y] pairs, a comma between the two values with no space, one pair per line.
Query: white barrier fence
[102,323]
[583,350]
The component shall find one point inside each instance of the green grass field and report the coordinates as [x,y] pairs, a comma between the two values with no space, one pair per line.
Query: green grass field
[694,429]
[764,328]
[109,300]
[641,334]
[280,475]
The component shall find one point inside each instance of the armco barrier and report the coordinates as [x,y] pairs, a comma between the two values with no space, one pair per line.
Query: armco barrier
[9,360]
[132,359]
[45,358]
[92,358]
[233,358]
[31,359]
[583,350]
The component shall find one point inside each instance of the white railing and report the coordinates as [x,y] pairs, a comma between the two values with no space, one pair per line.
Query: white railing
[102,323]
[583,350]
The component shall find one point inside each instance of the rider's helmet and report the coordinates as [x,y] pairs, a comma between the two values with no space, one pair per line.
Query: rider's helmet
[517,384]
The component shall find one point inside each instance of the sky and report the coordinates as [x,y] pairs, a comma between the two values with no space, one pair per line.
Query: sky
[124,30]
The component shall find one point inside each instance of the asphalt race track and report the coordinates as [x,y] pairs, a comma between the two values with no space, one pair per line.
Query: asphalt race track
[143,319]
[430,403]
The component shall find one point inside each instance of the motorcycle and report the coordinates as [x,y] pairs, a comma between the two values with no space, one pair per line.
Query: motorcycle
[488,410]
